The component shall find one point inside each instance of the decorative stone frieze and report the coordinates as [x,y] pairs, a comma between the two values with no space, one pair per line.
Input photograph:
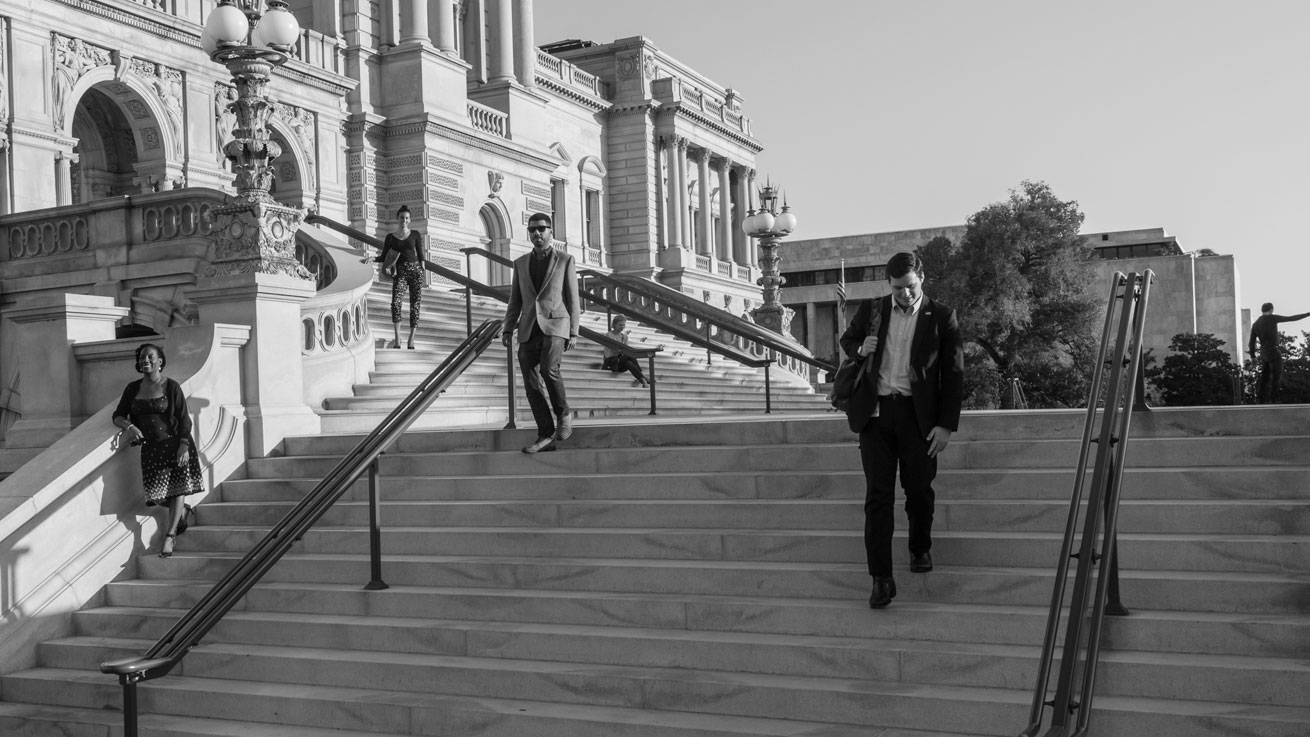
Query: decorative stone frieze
[255,237]
[73,58]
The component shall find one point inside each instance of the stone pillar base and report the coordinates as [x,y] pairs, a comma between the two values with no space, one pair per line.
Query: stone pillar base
[272,378]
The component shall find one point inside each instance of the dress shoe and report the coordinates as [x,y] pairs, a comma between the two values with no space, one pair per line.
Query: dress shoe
[920,562]
[564,426]
[884,590]
[542,445]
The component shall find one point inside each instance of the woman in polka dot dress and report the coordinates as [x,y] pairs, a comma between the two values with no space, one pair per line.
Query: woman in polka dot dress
[153,414]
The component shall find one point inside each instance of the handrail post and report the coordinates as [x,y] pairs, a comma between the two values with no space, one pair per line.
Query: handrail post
[468,293]
[1113,604]
[375,527]
[509,377]
[650,381]
[129,706]
[768,394]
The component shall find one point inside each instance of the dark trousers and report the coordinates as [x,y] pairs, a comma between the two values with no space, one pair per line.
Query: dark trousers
[890,440]
[539,360]
[1271,376]
[623,362]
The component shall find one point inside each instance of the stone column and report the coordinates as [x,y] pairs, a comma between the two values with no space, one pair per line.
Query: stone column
[526,62]
[64,178]
[704,224]
[684,198]
[502,25]
[752,247]
[674,216]
[812,327]
[740,245]
[50,379]
[446,21]
[724,248]
[414,22]
[661,191]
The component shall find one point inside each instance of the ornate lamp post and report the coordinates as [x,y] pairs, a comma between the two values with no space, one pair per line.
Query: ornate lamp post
[769,226]
[253,277]
[256,234]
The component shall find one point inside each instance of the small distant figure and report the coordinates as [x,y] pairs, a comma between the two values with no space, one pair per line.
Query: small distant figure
[402,259]
[152,413]
[1265,330]
[543,306]
[618,361]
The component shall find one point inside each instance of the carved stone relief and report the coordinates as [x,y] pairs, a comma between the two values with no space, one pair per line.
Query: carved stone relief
[73,58]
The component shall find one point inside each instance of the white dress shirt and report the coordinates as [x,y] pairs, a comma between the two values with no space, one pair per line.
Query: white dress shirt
[894,371]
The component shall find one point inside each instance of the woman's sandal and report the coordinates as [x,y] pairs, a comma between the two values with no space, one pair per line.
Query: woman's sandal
[166,549]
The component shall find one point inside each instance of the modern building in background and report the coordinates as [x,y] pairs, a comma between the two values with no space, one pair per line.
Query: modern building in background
[1196,292]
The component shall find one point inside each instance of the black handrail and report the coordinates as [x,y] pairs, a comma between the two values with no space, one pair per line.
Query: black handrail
[165,654]
[500,295]
[1072,701]
[691,336]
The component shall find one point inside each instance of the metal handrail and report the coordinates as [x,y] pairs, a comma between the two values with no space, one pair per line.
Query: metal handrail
[473,285]
[691,336]
[165,654]
[1132,294]
[709,315]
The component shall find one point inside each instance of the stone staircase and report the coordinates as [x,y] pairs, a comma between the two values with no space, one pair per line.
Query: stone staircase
[687,381]
[705,578]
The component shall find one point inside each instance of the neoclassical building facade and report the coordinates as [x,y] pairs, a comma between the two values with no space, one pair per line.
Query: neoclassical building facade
[447,106]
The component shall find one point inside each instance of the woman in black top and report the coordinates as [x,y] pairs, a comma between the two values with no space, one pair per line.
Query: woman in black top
[402,258]
[153,414]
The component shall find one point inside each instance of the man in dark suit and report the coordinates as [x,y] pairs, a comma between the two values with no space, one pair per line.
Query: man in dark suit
[543,306]
[905,408]
[1265,330]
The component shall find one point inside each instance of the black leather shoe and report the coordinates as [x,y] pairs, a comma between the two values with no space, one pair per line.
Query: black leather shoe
[920,562]
[884,590]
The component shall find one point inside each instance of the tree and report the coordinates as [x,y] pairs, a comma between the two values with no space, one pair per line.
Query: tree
[1296,371]
[1021,281]
[1196,372]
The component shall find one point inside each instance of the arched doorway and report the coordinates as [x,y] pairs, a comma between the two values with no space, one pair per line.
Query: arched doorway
[126,142]
[495,238]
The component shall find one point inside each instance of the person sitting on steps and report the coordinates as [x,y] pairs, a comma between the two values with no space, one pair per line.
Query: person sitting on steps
[616,360]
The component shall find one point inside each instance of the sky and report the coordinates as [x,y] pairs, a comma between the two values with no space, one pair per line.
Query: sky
[1191,115]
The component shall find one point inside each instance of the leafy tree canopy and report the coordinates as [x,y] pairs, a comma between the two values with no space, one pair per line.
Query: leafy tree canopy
[1197,372]
[1021,280]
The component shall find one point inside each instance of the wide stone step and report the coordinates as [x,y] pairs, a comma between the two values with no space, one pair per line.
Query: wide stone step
[679,564]
[372,711]
[1281,681]
[575,459]
[1289,521]
[1266,635]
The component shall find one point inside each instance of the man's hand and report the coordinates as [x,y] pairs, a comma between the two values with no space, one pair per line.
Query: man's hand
[938,439]
[507,337]
[869,345]
[568,344]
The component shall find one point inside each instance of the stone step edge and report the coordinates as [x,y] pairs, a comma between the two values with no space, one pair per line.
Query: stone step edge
[555,530]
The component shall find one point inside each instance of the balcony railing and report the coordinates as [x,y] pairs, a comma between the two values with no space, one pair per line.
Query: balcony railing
[488,120]
[554,69]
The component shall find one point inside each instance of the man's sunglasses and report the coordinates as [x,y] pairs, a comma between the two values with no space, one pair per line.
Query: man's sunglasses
[538,228]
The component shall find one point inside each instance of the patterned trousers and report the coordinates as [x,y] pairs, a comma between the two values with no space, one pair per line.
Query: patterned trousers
[409,276]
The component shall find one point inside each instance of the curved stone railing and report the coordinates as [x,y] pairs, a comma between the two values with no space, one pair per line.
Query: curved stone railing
[336,343]
[488,120]
[89,482]
[794,367]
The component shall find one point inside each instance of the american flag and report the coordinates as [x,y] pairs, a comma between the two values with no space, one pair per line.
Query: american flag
[841,286]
